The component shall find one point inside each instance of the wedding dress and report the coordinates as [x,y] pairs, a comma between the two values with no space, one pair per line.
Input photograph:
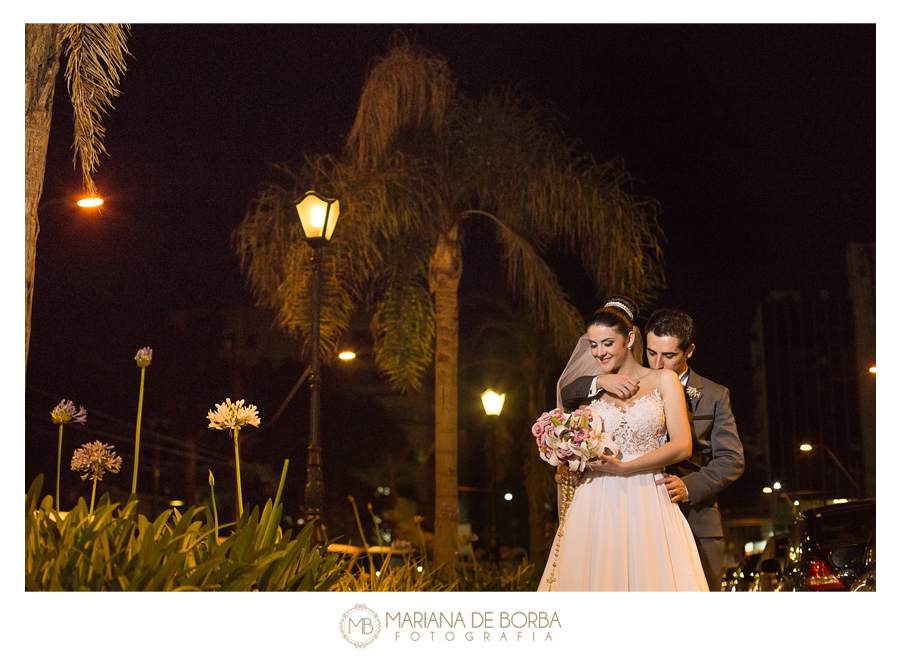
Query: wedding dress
[623,533]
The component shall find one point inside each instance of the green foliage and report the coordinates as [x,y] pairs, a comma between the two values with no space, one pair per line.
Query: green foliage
[116,549]
[410,576]
[494,578]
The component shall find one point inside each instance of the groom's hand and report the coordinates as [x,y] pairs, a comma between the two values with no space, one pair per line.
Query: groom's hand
[621,386]
[674,485]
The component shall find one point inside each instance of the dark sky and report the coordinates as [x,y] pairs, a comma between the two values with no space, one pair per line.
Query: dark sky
[757,140]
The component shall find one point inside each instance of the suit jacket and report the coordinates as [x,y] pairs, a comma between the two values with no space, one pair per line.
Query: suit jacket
[717,456]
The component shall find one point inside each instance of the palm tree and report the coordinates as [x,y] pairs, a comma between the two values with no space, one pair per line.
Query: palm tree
[96,58]
[422,162]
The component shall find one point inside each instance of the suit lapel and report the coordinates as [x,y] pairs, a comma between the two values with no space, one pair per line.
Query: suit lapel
[693,381]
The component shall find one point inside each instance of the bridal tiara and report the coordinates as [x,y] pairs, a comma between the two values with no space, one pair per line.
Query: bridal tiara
[621,306]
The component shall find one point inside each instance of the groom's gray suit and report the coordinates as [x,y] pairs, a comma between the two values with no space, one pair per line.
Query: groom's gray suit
[717,460]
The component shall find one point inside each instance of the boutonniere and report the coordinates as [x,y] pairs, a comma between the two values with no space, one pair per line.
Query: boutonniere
[692,392]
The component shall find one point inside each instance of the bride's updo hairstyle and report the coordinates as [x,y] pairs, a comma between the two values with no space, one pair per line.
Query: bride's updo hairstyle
[618,314]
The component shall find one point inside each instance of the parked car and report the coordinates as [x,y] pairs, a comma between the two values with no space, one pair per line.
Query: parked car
[826,547]
[776,549]
[866,580]
[739,578]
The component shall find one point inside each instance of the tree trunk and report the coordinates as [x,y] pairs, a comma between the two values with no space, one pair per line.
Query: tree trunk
[445,272]
[43,44]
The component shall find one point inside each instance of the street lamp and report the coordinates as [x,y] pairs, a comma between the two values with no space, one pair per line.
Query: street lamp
[493,405]
[90,202]
[318,217]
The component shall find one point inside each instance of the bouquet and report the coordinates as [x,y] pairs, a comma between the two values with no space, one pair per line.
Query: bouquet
[572,439]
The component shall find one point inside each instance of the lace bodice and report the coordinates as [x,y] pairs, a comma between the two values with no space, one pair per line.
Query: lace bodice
[638,427]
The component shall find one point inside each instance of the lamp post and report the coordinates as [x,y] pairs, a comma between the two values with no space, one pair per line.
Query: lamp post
[776,486]
[493,405]
[806,447]
[318,217]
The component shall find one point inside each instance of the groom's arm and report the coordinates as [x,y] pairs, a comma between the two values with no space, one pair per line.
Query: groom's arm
[584,388]
[573,393]
[727,455]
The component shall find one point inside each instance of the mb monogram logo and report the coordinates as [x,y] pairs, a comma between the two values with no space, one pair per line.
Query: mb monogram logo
[360,626]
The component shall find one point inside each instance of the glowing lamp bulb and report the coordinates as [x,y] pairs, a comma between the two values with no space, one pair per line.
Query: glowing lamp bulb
[493,403]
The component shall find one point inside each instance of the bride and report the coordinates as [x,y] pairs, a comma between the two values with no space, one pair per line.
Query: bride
[621,531]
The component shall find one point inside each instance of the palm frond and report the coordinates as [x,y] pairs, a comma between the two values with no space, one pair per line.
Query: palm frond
[96,59]
[536,286]
[336,304]
[403,326]
[407,88]
[542,186]
[266,241]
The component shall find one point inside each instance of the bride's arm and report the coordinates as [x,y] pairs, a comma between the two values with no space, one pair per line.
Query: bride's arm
[679,446]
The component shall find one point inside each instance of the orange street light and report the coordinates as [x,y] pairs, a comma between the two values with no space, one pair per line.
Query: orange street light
[90,202]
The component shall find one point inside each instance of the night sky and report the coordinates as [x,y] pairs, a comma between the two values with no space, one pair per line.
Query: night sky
[758,141]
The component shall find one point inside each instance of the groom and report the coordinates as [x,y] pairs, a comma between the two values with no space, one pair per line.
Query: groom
[717,457]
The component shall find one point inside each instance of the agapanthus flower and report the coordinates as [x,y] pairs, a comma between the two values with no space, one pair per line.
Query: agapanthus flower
[95,459]
[232,415]
[143,357]
[64,413]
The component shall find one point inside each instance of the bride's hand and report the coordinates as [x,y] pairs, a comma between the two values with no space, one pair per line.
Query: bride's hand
[621,386]
[609,464]
[575,477]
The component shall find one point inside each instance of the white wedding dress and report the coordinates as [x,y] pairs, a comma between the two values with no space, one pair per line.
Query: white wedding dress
[623,533]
